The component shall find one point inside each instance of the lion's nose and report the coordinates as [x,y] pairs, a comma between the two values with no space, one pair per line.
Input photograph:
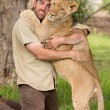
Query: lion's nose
[52,15]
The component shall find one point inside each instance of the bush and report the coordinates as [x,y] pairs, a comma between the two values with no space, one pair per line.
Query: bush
[83,11]
[106,2]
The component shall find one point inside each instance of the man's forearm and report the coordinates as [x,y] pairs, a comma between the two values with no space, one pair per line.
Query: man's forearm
[50,55]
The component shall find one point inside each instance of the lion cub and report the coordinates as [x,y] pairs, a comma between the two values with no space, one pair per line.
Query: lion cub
[81,75]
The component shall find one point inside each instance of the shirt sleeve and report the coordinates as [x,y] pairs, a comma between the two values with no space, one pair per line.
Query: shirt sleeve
[85,28]
[25,32]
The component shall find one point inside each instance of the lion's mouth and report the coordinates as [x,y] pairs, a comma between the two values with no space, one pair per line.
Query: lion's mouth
[51,17]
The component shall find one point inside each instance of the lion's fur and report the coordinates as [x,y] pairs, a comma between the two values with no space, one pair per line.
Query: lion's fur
[82,76]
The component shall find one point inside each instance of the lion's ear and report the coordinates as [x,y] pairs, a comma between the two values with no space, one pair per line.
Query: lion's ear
[71,7]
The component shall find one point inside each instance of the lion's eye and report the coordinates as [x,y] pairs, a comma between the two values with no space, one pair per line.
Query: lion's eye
[54,4]
[62,9]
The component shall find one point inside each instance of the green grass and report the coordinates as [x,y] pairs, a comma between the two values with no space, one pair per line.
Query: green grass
[100,46]
[10,92]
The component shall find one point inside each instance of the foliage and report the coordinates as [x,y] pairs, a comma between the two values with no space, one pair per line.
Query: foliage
[83,11]
[106,2]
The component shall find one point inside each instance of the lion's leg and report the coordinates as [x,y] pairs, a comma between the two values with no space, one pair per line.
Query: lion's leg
[82,108]
[81,95]
[81,102]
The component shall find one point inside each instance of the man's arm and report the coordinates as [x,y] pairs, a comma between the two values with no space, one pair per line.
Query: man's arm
[50,55]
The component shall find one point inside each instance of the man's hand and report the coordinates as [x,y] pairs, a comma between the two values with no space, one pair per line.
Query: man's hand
[54,42]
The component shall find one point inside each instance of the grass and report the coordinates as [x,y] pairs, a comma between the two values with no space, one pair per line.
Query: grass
[100,46]
[10,92]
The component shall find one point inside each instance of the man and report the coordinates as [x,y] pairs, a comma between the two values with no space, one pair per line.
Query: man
[36,75]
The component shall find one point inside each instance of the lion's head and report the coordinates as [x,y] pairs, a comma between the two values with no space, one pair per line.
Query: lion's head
[60,9]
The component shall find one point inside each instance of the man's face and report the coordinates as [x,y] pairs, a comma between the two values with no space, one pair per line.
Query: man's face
[41,8]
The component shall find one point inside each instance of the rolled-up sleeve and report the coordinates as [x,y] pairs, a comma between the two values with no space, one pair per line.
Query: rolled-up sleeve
[24,32]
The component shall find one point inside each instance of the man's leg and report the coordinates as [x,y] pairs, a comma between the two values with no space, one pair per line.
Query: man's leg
[31,99]
[51,101]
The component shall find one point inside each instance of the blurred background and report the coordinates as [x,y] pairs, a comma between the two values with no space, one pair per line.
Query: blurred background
[94,13]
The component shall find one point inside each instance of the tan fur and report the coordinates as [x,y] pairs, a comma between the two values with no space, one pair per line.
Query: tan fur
[82,75]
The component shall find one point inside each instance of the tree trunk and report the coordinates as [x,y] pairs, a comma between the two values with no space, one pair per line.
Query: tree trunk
[9,13]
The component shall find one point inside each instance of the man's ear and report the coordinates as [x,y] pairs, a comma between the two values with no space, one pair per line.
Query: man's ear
[71,7]
[34,3]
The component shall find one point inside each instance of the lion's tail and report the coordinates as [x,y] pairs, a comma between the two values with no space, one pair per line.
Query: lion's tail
[100,97]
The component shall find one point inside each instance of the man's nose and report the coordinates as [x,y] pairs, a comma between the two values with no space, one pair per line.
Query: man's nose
[43,7]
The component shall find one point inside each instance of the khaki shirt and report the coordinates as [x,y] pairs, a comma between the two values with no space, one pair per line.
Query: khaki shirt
[30,70]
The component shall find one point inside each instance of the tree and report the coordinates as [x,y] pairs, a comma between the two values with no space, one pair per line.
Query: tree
[9,13]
